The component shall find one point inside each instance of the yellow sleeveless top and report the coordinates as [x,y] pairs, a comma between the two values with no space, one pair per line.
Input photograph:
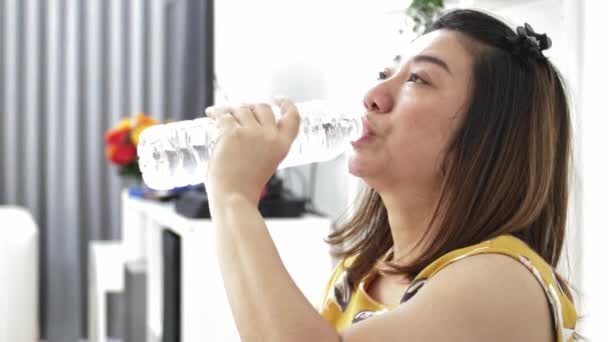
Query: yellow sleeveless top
[345,303]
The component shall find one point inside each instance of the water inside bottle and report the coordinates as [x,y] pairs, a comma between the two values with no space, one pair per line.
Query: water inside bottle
[177,154]
[321,139]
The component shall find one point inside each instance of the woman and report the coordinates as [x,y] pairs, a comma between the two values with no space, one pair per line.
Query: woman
[466,157]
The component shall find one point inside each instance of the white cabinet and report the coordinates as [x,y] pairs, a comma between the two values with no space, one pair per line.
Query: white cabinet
[205,313]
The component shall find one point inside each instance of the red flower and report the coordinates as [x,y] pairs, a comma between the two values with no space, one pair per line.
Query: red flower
[121,154]
[118,136]
[121,142]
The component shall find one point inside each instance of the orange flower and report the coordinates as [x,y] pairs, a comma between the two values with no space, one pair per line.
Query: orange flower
[143,119]
[142,122]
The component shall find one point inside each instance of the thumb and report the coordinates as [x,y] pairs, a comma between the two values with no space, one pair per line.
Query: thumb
[289,121]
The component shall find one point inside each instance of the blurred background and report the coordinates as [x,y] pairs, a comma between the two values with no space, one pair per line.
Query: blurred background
[78,77]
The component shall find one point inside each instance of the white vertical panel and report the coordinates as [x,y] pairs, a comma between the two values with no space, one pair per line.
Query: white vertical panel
[156,94]
[64,236]
[157,58]
[136,27]
[58,300]
[11,74]
[31,106]
[115,99]
[52,95]
[93,94]
[154,281]
[176,53]
[73,159]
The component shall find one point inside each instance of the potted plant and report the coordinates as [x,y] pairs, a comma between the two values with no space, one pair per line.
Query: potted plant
[421,13]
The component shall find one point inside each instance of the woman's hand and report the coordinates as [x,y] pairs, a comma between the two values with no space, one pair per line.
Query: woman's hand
[251,144]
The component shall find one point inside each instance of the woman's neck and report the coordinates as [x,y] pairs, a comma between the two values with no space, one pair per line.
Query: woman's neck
[409,215]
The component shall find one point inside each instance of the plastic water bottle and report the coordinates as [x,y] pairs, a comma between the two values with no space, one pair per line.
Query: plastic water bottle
[176,154]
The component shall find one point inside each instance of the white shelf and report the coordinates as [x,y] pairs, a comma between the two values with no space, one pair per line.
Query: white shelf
[205,312]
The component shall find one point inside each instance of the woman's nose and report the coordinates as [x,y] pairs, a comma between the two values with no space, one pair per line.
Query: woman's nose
[378,100]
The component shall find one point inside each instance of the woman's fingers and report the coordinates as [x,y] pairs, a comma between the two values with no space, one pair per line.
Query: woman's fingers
[226,121]
[245,116]
[289,122]
[264,114]
[223,117]
[214,112]
[261,114]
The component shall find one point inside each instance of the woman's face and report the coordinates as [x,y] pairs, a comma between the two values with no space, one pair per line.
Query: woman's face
[412,114]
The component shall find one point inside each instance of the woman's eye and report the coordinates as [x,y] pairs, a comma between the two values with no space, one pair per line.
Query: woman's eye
[416,79]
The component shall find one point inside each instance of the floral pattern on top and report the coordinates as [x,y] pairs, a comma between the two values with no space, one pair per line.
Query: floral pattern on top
[345,303]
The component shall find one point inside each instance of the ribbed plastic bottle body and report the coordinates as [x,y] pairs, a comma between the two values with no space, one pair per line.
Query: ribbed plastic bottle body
[177,154]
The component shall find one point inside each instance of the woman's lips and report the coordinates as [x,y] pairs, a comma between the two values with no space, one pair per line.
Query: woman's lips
[366,134]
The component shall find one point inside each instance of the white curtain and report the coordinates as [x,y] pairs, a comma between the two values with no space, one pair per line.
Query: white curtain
[69,70]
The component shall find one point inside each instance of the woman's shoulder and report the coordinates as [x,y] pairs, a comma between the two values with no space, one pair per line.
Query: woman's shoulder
[501,283]
[502,262]
[507,245]
[495,294]
[481,298]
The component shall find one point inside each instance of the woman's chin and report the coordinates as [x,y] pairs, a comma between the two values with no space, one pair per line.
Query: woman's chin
[357,167]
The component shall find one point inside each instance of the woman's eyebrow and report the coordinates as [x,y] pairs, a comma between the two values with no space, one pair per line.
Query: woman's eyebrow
[432,59]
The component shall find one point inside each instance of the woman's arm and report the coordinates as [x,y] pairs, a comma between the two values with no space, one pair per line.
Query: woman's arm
[266,303]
